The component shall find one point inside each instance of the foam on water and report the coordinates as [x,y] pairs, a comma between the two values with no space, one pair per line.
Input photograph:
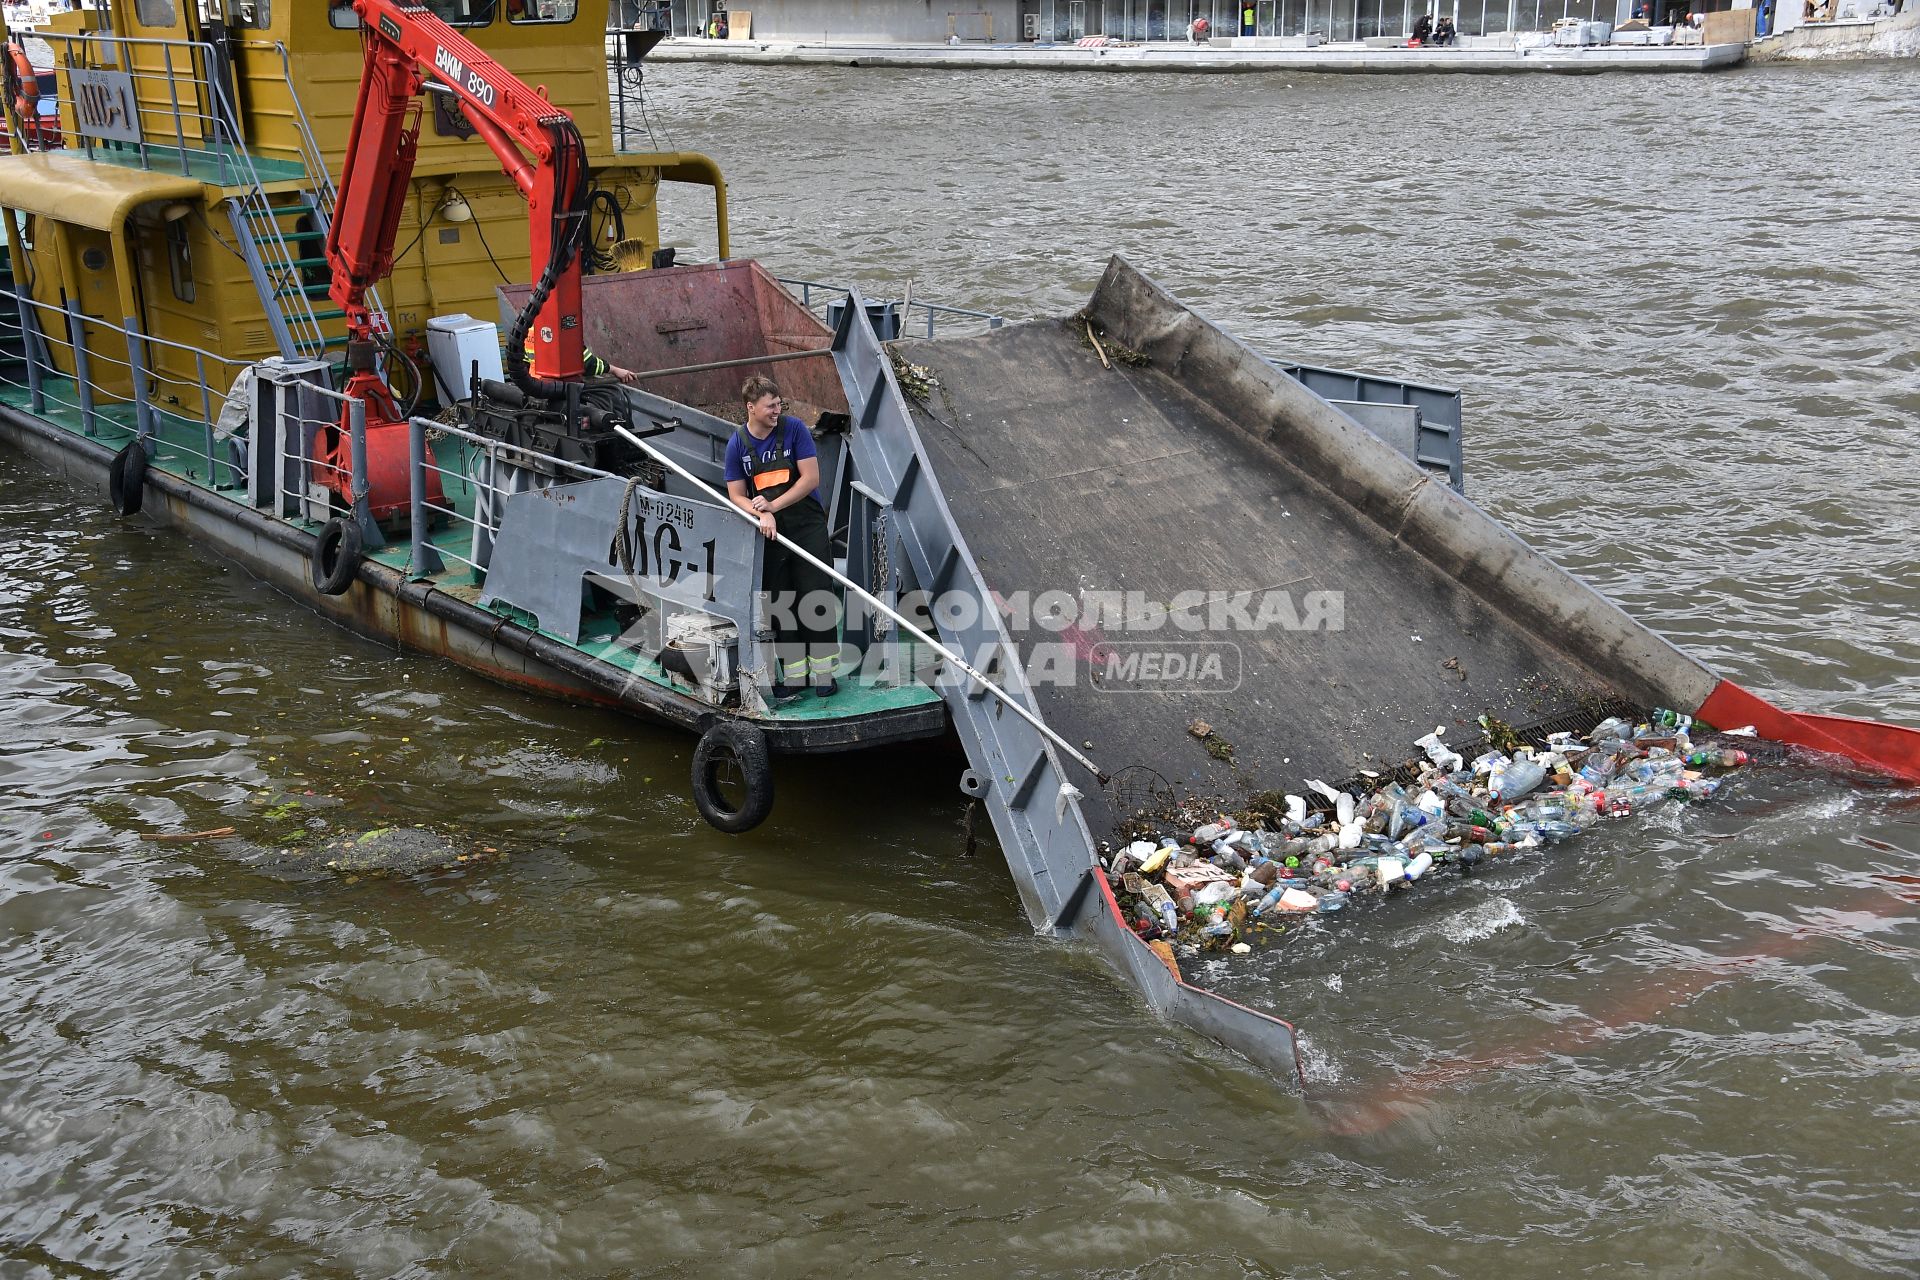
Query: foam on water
[1481,920]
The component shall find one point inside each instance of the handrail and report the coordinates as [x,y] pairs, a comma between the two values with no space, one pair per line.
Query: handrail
[472,437]
[199,58]
[71,333]
[256,198]
[314,160]
[296,327]
[14,293]
[908,306]
[933,308]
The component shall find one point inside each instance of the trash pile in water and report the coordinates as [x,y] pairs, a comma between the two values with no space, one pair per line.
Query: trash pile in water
[1220,883]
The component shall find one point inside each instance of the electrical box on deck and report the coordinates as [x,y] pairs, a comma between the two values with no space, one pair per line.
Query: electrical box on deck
[454,344]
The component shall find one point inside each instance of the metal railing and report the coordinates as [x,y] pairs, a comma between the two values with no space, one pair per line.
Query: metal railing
[283,469]
[158,397]
[300,490]
[68,329]
[319,177]
[905,308]
[141,96]
[934,309]
[269,257]
[495,457]
[115,106]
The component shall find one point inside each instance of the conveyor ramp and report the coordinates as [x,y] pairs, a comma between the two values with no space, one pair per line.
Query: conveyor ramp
[1212,580]
[1157,468]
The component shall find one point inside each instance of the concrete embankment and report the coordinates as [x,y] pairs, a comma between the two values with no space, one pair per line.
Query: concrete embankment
[1895,37]
[1239,57]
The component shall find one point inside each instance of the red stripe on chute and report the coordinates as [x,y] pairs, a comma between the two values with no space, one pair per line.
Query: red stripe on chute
[1888,748]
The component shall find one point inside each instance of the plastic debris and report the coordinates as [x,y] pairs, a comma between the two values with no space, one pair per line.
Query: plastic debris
[1220,884]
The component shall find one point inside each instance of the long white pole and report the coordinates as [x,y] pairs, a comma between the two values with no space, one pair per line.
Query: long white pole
[875,602]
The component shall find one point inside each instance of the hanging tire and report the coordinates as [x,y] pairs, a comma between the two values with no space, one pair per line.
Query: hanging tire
[733,777]
[336,556]
[127,479]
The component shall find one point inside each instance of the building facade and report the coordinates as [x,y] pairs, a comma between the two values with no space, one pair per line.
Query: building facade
[1015,21]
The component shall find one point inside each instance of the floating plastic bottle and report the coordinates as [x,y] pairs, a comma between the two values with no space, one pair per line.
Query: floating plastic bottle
[1692,788]
[1611,730]
[1512,779]
[1726,759]
[1484,765]
[1600,768]
[1455,816]
[1459,801]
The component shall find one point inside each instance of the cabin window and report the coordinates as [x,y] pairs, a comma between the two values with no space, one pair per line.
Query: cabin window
[156,13]
[457,13]
[542,10]
[462,13]
[254,14]
[180,259]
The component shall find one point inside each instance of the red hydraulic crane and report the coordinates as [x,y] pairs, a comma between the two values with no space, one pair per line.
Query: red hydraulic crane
[409,51]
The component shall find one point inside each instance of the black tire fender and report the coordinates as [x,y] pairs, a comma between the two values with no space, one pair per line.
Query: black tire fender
[729,743]
[127,479]
[336,556]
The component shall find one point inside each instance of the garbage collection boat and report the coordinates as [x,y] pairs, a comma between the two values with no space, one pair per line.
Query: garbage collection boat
[173,221]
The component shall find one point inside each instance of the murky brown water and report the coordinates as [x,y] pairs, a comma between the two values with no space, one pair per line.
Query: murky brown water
[1684,311]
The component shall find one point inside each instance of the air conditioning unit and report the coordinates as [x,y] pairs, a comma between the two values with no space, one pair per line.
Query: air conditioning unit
[1032,27]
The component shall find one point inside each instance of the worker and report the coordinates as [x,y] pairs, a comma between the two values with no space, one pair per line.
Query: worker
[773,473]
[1444,32]
[594,367]
[1197,30]
[1423,29]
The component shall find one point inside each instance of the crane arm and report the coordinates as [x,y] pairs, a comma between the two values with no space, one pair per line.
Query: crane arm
[536,142]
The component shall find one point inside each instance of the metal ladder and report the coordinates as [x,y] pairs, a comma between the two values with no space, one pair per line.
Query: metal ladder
[277,269]
[275,264]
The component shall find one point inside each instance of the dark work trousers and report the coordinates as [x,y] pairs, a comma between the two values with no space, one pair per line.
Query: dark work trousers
[807,644]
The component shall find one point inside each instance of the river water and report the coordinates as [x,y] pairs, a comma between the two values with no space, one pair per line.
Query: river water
[1684,312]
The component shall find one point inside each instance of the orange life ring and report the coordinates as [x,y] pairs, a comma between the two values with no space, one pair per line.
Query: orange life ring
[28,80]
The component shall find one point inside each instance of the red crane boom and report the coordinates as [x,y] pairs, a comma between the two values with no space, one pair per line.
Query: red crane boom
[409,50]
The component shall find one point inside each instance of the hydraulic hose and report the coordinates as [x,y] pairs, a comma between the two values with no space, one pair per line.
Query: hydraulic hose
[568,232]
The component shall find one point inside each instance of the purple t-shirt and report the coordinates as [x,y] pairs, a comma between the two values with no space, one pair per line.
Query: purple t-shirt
[791,433]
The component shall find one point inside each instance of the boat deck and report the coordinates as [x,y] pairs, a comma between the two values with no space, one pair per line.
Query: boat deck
[180,450]
[218,164]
